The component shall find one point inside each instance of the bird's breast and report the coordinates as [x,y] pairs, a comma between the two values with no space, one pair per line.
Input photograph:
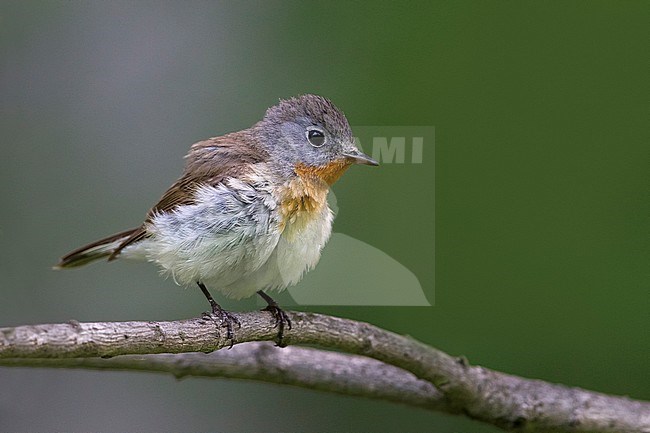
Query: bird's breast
[303,203]
[305,226]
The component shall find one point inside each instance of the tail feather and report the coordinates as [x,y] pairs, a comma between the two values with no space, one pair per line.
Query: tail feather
[89,253]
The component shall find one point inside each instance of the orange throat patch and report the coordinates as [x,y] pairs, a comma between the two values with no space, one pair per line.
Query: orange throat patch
[305,196]
[328,173]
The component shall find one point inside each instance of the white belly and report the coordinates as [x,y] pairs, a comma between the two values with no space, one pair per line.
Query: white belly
[233,246]
[297,251]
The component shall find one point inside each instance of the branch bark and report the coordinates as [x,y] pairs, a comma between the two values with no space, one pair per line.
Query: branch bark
[408,371]
[262,361]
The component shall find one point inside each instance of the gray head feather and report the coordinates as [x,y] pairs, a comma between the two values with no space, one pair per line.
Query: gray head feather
[314,107]
[285,127]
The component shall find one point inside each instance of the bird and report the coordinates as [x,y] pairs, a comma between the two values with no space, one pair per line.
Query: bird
[249,214]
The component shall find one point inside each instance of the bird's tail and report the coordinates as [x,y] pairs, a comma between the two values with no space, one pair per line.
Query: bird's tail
[107,247]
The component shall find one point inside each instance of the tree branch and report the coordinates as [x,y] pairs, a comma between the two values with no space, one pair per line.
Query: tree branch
[262,361]
[507,401]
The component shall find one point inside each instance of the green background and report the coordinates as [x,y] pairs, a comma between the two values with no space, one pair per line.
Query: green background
[537,210]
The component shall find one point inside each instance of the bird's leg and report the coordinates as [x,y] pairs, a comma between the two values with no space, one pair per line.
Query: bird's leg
[227,319]
[281,318]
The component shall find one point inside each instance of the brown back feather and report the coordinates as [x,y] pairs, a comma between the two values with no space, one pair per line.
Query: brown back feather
[209,162]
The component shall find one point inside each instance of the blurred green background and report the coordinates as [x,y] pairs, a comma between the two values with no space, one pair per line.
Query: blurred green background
[539,199]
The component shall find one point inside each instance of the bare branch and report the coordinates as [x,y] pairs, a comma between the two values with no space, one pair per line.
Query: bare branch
[507,401]
[262,361]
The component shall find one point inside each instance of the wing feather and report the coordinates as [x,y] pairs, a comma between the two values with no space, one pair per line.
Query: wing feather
[209,162]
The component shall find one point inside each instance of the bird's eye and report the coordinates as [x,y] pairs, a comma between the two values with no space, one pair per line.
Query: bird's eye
[316,137]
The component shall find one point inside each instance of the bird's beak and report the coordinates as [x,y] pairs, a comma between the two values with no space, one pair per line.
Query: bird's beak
[360,158]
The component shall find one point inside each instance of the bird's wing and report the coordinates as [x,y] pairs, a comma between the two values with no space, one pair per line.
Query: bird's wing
[209,162]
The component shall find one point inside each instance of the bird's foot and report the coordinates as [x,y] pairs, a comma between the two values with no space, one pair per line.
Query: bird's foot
[281,317]
[226,320]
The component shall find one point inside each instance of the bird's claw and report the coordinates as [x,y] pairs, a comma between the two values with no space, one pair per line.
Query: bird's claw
[281,320]
[226,320]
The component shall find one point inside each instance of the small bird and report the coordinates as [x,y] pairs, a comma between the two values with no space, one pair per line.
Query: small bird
[249,213]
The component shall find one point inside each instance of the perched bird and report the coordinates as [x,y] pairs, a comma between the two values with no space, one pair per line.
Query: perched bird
[249,212]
